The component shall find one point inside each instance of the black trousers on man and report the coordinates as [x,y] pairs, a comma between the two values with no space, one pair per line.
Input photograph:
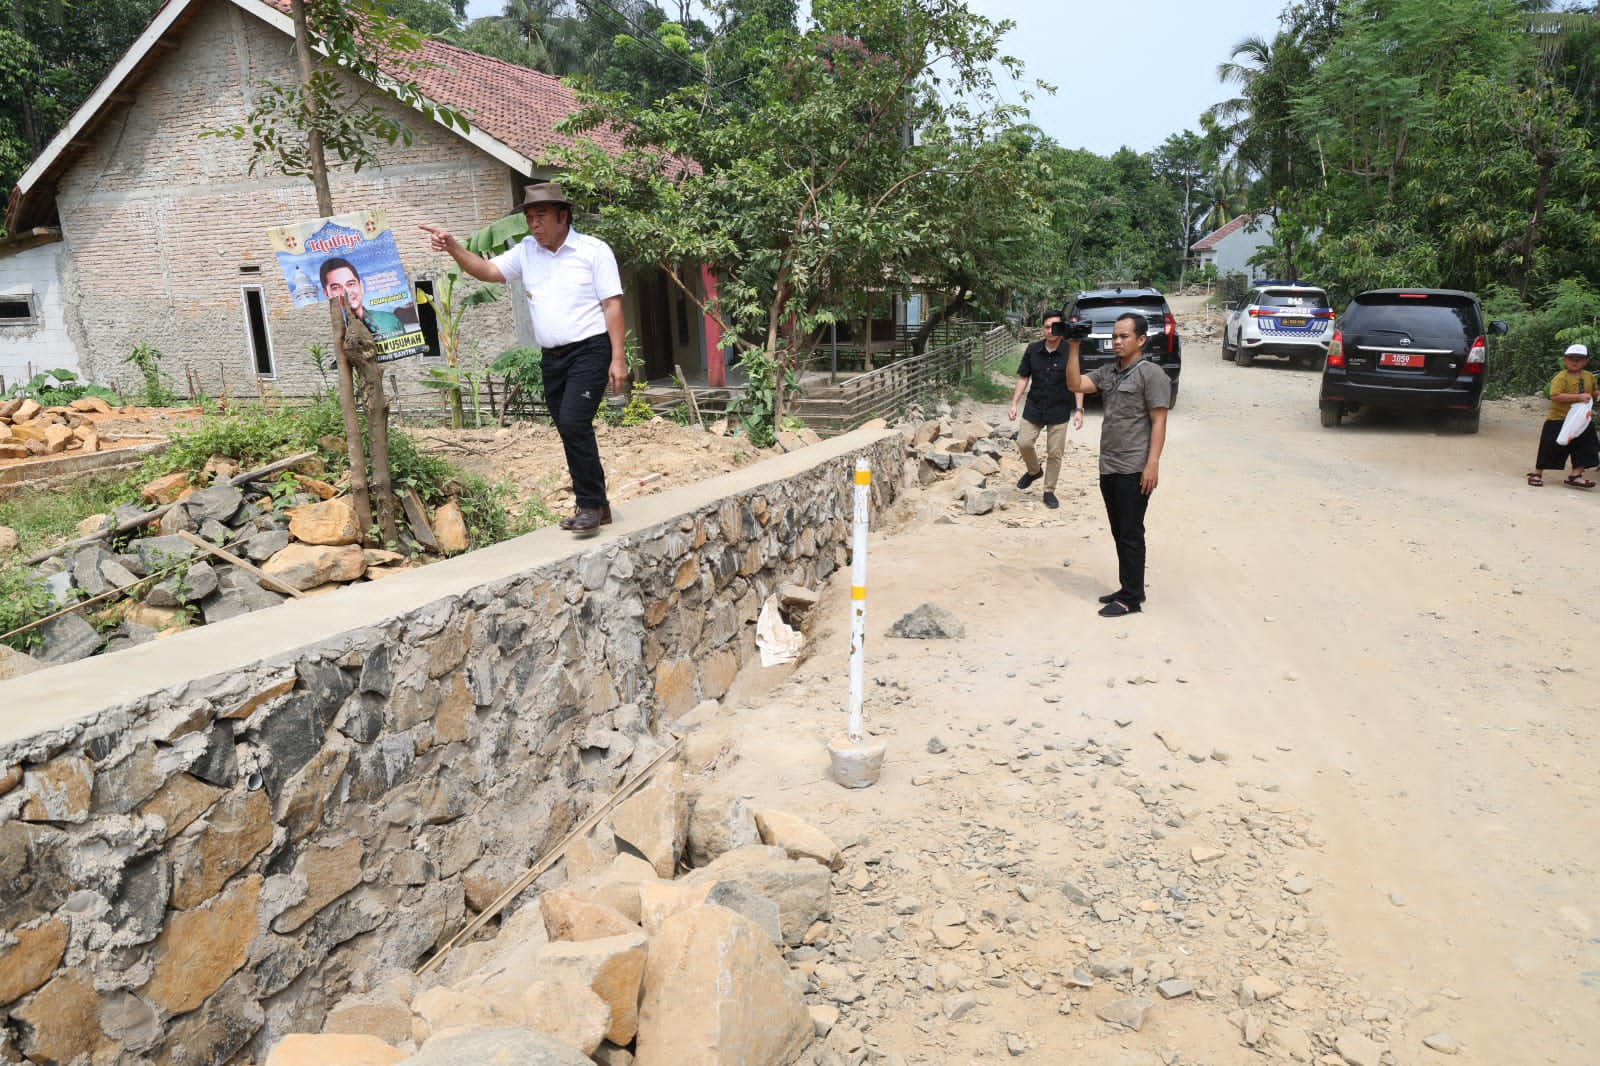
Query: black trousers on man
[575,380]
[1125,507]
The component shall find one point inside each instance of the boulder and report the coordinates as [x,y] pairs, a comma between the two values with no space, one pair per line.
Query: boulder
[303,1049]
[654,821]
[56,438]
[802,890]
[507,1046]
[660,900]
[67,639]
[797,838]
[25,411]
[612,968]
[330,522]
[165,489]
[570,1011]
[9,541]
[14,663]
[305,566]
[219,502]
[450,528]
[719,823]
[570,915]
[717,993]
[617,885]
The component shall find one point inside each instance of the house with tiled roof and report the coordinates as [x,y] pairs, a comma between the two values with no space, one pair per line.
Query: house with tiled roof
[158,236]
[1231,246]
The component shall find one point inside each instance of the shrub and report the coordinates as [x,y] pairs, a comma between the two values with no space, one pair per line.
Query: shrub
[23,600]
[59,387]
[1528,356]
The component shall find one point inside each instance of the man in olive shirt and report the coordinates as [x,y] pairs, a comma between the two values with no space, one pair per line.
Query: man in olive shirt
[1136,395]
[1041,373]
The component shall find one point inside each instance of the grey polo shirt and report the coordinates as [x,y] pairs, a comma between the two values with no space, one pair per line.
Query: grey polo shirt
[1128,398]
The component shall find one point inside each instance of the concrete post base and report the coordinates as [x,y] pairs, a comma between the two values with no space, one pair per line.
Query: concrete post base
[856,765]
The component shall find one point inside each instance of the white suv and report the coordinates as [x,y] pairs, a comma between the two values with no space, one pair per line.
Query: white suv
[1289,319]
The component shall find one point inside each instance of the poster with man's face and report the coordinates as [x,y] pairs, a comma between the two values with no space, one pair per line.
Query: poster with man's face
[352,259]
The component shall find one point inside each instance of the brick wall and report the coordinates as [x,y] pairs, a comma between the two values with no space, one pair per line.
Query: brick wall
[158,221]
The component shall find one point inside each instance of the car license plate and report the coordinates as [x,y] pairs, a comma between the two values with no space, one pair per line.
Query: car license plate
[1405,360]
[1292,321]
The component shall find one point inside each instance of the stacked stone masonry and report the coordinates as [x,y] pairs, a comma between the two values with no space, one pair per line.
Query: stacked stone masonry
[278,811]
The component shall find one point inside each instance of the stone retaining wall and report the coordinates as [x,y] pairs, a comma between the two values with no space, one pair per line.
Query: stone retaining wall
[206,840]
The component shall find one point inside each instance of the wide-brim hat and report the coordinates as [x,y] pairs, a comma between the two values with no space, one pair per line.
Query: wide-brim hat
[544,192]
[1580,351]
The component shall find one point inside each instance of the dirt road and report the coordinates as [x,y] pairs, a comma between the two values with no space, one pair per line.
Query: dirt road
[1346,754]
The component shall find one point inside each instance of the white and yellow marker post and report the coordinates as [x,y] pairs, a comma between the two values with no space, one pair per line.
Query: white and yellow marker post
[856,759]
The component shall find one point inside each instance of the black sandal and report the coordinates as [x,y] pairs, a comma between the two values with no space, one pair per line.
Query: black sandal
[1118,608]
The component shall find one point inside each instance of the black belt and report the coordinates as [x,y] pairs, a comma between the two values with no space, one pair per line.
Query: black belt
[558,351]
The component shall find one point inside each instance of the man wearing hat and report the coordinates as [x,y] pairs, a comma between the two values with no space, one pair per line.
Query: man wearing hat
[574,297]
[1573,385]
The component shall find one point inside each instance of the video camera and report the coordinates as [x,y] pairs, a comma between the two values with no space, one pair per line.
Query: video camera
[1072,329]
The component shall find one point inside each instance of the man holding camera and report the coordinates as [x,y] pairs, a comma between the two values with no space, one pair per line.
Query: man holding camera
[1049,404]
[1133,431]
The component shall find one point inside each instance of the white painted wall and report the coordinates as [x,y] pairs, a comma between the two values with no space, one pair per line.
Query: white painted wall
[41,344]
[1233,252]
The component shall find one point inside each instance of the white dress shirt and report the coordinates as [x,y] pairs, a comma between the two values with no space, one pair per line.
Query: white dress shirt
[564,287]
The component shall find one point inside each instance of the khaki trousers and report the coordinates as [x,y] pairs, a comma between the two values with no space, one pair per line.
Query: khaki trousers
[1055,443]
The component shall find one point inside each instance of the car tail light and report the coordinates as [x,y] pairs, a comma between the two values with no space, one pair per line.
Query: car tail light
[1169,327]
[1258,312]
[1477,358]
[1323,314]
[1336,349]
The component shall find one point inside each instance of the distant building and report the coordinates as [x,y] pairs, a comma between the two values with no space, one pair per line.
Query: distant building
[154,235]
[1230,247]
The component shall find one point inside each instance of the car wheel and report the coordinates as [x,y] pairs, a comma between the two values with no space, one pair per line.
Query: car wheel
[1331,414]
[1227,351]
[1465,421]
[1244,356]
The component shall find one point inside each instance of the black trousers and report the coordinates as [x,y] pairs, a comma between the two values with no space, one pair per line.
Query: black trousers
[1125,507]
[575,380]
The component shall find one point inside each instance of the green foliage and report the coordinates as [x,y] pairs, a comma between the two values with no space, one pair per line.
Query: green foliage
[1529,355]
[636,412]
[252,435]
[983,387]
[45,518]
[521,369]
[24,599]
[59,387]
[146,359]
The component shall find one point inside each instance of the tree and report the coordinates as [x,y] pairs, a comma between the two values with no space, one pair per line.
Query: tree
[291,128]
[1186,162]
[815,189]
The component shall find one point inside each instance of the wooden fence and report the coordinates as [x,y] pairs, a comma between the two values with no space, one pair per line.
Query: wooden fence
[918,379]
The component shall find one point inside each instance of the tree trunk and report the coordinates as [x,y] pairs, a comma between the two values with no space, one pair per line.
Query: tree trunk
[1547,164]
[347,388]
[866,339]
[363,353]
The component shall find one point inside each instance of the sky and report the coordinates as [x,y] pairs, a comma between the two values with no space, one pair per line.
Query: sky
[1126,72]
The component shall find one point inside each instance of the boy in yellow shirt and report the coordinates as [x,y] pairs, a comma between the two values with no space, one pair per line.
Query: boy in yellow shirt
[1573,385]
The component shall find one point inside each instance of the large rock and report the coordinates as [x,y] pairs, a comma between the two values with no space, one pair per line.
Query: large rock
[187,586]
[305,566]
[802,890]
[570,915]
[450,528]
[218,503]
[303,1049]
[14,663]
[62,1020]
[716,993]
[719,823]
[200,948]
[498,1047]
[67,639]
[331,522]
[798,838]
[655,820]
[570,1011]
[660,900]
[617,885]
[9,541]
[613,968]
[29,962]
[165,489]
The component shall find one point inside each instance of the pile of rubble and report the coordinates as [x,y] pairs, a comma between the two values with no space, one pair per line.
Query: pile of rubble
[679,937]
[971,451]
[28,430]
[242,543]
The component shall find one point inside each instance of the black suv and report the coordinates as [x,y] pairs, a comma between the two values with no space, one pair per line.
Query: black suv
[1102,307]
[1410,350]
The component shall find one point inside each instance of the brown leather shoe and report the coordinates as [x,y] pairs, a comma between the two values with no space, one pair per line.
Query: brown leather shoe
[588,519]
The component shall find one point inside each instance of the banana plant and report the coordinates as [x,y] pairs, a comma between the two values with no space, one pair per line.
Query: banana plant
[451,305]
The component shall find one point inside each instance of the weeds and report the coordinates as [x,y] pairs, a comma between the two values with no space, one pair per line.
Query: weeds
[147,360]
[42,519]
[57,388]
[23,599]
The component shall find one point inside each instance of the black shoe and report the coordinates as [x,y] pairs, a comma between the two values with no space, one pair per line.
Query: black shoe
[1028,479]
[1108,597]
[1118,608]
[1050,501]
[587,520]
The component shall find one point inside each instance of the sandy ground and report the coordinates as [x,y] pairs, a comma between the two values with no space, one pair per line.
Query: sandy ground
[1346,752]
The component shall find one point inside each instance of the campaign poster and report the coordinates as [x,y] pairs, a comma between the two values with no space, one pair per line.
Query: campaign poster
[353,259]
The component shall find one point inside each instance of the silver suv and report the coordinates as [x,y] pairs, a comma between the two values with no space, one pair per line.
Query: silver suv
[1287,319]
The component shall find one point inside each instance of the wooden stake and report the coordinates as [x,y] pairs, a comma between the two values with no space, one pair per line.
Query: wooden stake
[688,396]
[248,568]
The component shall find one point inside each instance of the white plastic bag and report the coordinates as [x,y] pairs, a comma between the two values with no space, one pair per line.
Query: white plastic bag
[1578,416]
